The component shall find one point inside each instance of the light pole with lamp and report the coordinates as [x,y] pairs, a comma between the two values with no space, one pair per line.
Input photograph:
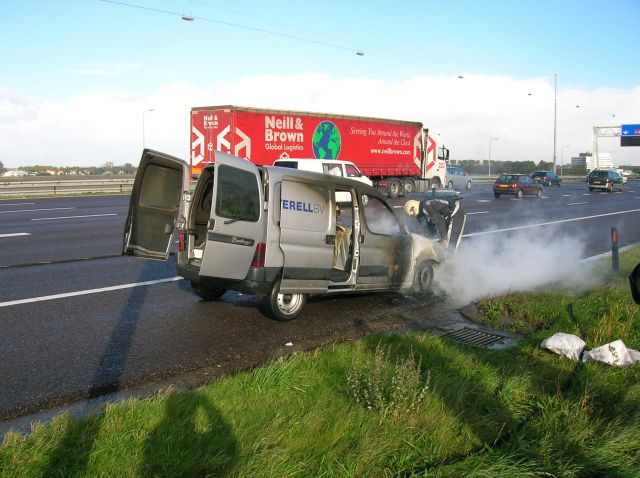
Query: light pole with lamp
[490,141]
[562,158]
[144,113]
[555,119]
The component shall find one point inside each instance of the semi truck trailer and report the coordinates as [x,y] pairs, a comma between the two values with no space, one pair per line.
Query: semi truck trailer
[399,157]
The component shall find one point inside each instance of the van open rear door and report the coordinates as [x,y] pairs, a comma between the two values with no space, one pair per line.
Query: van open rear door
[236,223]
[155,204]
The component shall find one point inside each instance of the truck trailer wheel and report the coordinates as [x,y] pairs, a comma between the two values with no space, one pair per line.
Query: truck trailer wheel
[284,306]
[395,188]
[422,278]
[206,292]
[409,186]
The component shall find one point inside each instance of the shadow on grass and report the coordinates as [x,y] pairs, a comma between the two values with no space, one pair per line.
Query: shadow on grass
[188,420]
[193,439]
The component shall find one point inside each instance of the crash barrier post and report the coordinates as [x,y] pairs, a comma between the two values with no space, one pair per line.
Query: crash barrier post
[615,263]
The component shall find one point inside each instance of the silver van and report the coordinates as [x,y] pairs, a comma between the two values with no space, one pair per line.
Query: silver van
[273,231]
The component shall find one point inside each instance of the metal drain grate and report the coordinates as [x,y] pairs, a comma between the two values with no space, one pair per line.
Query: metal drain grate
[477,338]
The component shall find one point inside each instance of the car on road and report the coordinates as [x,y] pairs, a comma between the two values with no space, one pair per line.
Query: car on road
[605,180]
[516,185]
[274,232]
[546,178]
[457,177]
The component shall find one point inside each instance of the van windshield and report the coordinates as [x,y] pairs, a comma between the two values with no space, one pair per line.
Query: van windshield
[287,164]
[238,194]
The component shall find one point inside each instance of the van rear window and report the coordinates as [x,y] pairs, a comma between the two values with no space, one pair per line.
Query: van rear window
[238,194]
[161,187]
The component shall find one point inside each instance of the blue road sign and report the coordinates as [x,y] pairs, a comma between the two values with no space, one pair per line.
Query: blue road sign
[630,129]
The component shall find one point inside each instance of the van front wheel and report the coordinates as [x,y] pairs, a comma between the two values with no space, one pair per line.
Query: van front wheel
[423,278]
[284,306]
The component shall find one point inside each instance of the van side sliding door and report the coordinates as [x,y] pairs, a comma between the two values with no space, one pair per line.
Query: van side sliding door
[307,235]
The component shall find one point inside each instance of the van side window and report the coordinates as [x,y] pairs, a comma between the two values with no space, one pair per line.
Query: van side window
[380,220]
[161,187]
[238,196]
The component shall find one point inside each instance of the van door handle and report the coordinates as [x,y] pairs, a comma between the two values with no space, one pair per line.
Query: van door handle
[212,224]
[361,238]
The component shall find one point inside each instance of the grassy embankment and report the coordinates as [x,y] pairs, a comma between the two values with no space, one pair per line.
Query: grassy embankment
[410,405]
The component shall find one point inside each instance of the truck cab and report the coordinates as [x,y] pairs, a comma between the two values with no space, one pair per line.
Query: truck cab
[276,232]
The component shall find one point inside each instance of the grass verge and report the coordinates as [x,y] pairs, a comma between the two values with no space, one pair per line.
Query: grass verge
[398,405]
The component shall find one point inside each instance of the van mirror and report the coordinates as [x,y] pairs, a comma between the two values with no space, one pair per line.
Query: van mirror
[634,282]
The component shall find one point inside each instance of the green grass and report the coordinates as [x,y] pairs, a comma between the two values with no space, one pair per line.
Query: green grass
[388,405]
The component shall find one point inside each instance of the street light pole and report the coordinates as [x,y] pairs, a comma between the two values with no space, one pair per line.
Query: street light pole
[555,118]
[562,159]
[144,113]
[490,141]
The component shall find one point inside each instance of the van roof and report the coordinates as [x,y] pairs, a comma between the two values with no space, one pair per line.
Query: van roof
[309,160]
[276,172]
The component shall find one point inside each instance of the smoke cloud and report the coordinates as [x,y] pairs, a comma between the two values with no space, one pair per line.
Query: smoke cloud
[499,263]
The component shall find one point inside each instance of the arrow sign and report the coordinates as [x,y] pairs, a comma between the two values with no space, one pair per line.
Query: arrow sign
[630,130]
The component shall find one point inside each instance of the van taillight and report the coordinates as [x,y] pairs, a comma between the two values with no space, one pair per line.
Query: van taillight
[180,241]
[258,256]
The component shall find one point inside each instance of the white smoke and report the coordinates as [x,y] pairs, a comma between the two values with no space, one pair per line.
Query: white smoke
[494,264]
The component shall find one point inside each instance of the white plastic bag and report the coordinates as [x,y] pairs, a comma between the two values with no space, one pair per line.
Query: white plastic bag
[613,353]
[571,346]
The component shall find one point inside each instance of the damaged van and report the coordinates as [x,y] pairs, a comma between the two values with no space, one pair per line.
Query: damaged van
[273,231]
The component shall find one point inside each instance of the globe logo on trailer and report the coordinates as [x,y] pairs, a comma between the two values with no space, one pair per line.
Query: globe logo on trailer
[326,141]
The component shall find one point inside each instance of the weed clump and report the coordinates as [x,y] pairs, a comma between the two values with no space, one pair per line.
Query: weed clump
[390,387]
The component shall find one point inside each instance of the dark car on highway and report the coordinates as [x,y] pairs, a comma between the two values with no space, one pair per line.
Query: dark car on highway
[516,185]
[605,179]
[546,178]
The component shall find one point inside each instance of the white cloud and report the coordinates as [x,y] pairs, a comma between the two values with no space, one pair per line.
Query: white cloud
[95,127]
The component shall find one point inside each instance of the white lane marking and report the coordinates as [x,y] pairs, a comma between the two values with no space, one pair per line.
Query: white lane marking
[18,204]
[34,210]
[15,234]
[576,203]
[549,223]
[72,217]
[484,200]
[87,292]
[477,212]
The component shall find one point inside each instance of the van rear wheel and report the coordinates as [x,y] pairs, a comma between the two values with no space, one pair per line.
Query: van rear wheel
[284,306]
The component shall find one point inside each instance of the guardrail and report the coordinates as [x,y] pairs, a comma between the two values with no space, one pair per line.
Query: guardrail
[66,186]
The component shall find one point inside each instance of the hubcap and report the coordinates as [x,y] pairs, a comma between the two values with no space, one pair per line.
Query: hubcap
[288,303]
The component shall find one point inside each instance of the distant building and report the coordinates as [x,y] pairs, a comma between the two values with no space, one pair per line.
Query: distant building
[581,160]
[604,161]
[14,173]
[586,160]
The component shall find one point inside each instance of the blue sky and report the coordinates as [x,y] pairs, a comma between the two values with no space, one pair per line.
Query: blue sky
[81,73]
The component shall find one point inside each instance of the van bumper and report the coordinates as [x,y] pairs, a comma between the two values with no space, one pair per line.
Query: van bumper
[257,282]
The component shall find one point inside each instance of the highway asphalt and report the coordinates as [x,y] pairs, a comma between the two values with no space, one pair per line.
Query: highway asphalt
[78,320]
